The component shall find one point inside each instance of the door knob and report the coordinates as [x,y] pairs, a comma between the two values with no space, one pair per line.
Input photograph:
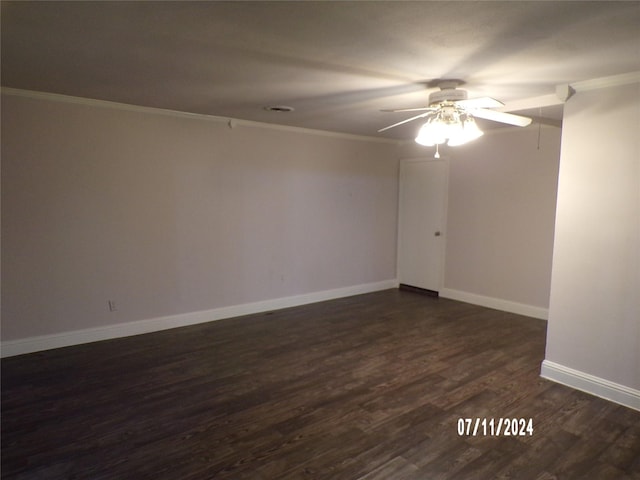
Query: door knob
[437,234]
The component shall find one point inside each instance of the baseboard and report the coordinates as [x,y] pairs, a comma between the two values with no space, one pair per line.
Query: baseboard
[629,397]
[497,303]
[46,342]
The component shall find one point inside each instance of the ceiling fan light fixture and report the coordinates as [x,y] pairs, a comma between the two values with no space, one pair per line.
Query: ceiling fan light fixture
[468,132]
[449,125]
[433,132]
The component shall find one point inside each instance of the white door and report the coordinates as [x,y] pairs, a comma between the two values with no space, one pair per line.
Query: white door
[422,204]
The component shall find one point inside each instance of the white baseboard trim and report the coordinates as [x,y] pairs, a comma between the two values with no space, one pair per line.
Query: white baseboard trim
[497,303]
[46,342]
[629,397]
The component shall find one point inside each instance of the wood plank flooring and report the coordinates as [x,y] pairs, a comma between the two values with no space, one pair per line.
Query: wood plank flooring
[363,388]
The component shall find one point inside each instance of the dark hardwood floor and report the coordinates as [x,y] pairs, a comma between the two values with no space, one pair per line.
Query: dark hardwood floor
[361,388]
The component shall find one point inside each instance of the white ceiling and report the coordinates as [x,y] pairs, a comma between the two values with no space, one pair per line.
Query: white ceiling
[336,63]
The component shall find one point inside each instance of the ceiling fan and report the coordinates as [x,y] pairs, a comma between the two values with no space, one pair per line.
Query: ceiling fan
[450,116]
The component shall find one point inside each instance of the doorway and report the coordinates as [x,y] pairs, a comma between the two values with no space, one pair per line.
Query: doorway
[422,222]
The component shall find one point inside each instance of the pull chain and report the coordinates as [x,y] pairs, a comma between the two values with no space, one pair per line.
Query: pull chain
[539,125]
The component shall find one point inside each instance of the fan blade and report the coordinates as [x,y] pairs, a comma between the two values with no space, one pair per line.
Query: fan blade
[481,102]
[502,117]
[419,109]
[404,121]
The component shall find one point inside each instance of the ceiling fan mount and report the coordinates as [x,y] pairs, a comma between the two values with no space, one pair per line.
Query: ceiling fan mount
[447,95]
[448,90]
[444,83]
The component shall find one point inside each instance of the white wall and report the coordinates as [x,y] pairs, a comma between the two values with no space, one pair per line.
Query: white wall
[593,337]
[166,214]
[500,218]
[502,195]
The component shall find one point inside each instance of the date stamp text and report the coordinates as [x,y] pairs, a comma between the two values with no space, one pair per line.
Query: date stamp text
[494,427]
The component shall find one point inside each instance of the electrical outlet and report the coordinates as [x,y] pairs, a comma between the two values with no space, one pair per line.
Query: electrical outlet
[112,305]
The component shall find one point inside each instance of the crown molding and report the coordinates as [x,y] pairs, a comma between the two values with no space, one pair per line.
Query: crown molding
[231,122]
[605,82]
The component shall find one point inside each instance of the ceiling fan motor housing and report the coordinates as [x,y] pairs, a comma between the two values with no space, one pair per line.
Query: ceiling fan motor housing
[447,95]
